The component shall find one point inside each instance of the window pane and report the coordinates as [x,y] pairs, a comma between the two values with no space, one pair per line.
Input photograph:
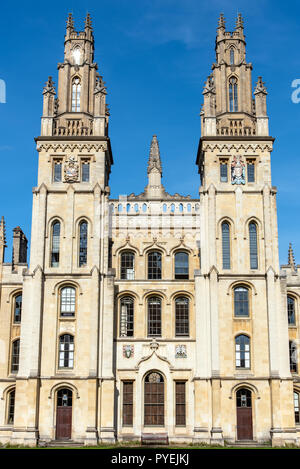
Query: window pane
[242,351]
[223,172]
[226,245]
[57,171]
[85,172]
[154,266]
[127,266]
[55,244]
[154,316]
[15,356]
[291,310]
[83,231]
[250,172]
[11,407]
[241,301]
[18,309]
[67,302]
[253,246]
[181,317]
[66,351]
[127,317]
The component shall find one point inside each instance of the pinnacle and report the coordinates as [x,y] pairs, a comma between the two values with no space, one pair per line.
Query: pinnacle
[239,22]
[2,232]
[291,258]
[221,21]
[88,21]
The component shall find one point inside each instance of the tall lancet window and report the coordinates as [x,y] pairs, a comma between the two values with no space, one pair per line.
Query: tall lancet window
[253,246]
[83,232]
[55,244]
[226,245]
[232,56]
[76,90]
[233,95]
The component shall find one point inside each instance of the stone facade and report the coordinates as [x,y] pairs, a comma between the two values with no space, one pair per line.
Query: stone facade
[154,313]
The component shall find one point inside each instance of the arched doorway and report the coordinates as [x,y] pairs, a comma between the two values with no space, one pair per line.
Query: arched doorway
[244,414]
[154,399]
[64,414]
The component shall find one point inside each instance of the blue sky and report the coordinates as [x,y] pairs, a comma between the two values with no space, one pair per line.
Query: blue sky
[154,56]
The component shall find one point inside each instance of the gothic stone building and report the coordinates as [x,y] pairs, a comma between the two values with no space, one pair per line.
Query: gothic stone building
[154,315]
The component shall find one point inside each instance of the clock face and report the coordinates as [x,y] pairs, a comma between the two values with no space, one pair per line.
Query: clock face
[77,56]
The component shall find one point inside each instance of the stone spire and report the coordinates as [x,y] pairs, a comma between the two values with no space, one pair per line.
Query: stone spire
[154,188]
[2,240]
[88,22]
[239,24]
[221,21]
[154,156]
[291,258]
[70,24]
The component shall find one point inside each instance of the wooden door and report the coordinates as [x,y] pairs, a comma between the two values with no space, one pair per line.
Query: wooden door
[244,415]
[64,415]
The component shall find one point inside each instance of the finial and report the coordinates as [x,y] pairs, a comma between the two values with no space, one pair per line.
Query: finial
[49,86]
[291,259]
[260,87]
[154,155]
[88,21]
[70,22]
[2,232]
[239,22]
[221,21]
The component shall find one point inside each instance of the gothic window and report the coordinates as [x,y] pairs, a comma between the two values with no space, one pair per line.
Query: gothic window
[242,351]
[83,238]
[11,406]
[291,311]
[233,95]
[66,351]
[226,245]
[250,171]
[253,245]
[232,56]
[15,355]
[17,309]
[127,265]
[154,317]
[85,171]
[128,403]
[154,399]
[181,316]
[67,301]
[180,403]
[126,316]
[154,266]
[296,407]
[243,398]
[223,171]
[77,56]
[55,244]
[64,398]
[57,171]
[76,91]
[181,265]
[241,301]
[293,357]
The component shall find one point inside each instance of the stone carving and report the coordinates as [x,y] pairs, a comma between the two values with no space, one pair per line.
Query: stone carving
[180,351]
[128,351]
[154,378]
[237,170]
[71,170]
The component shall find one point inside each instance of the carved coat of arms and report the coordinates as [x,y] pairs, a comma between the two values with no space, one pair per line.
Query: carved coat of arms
[71,170]
[180,351]
[128,351]
[237,171]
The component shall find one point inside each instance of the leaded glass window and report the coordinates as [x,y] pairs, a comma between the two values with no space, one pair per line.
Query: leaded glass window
[57,171]
[66,351]
[250,171]
[224,171]
[226,245]
[291,310]
[293,357]
[154,266]
[253,246]
[85,171]
[76,91]
[11,407]
[232,56]
[241,301]
[17,309]
[154,317]
[83,239]
[181,316]
[233,95]
[55,244]
[181,265]
[15,356]
[127,265]
[296,407]
[242,351]
[67,301]
[126,316]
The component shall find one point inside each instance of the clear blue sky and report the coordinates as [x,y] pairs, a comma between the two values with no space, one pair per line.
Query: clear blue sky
[154,56]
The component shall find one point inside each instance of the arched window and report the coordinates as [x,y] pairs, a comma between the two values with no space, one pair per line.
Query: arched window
[11,406]
[241,301]
[242,351]
[126,316]
[127,265]
[67,301]
[232,56]
[83,236]
[233,95]
[66,351]
[226,245]
[17,308]
[293,357]
[154,399]
[15,356]
[76,91]
[181,316]
[243,398]
[296,407]
[154,266]
[291,310]
[181,265]
[55,244]
[154,317]
[253,245]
